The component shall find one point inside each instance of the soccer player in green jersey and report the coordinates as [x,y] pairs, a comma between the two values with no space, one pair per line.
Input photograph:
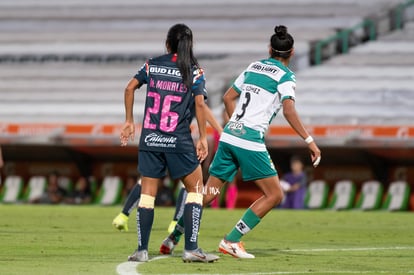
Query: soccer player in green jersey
[262,89]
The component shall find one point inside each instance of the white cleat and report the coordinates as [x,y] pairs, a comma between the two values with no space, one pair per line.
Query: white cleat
[234,249]
[139,256]
[198,256]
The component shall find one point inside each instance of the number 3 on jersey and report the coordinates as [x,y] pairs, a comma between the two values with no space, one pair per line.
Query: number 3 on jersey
[168,119]
[244,106]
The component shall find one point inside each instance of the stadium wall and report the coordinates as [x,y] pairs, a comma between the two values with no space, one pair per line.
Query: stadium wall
[98,161]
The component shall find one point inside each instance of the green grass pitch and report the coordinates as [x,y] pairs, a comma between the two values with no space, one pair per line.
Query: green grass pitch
[80,240]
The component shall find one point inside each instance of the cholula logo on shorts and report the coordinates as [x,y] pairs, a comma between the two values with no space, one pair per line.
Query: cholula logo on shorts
[156,140]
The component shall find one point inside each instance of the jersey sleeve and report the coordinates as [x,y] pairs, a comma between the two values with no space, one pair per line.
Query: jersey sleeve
[142,74]
[287,87]
[237,85]
[199,83]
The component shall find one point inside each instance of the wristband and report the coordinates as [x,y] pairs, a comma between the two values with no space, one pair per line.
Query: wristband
[309,140]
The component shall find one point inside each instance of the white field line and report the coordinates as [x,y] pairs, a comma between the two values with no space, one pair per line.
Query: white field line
[130,268]
[127,268]
[308,272]
[348,249]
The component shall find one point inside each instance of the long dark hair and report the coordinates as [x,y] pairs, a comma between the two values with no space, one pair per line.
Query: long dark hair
[281,42]
[180,41]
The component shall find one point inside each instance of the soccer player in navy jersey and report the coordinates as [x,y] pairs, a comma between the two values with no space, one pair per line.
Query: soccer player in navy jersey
[120,222]
[175,83]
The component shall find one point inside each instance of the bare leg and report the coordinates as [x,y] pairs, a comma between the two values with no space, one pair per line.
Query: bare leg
[193,182]
[212,189]
[272,196]
[149,186]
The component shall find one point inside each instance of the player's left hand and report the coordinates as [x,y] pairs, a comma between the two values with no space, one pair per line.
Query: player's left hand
[202,149]
[127,133]
[315,154]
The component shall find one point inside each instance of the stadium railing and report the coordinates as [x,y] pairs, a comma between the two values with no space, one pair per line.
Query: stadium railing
[370,28]
[344,37]
[399,13]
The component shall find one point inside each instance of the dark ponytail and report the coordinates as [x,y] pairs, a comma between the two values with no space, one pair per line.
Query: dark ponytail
[180,41]
[281,43]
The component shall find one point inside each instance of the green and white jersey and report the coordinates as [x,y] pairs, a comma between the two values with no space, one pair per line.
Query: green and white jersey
[262,86]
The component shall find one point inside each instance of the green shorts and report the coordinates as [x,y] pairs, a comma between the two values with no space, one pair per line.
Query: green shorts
[253,165]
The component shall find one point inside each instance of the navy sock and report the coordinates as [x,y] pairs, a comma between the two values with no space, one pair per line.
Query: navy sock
[132,200]
[145,218]
[192,219]
[179,205]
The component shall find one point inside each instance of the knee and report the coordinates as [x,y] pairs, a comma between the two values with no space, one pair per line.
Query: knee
[277,197]
[280,197]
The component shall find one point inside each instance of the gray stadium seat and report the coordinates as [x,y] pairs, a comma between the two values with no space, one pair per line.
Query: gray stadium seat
[12,189]
[81,71]
[371,196]
[343,195]
[398,195]
[317,195]
[35,188]
[110,191]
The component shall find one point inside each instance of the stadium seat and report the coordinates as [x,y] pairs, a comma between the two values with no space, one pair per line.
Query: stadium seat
[371,196]
[35,188]
[343,196]
[110,191]
[66,184]
[397,196]
[317,195]
[12,189]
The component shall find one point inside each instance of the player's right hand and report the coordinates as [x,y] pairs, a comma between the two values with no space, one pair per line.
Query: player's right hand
[202,149]
[127,133]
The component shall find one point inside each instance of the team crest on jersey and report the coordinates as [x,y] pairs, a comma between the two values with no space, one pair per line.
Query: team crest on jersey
[237,128]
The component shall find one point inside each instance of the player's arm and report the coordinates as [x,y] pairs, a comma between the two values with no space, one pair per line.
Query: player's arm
[229,100]
[128,129]
[289,112]
[200,110]
[212,120]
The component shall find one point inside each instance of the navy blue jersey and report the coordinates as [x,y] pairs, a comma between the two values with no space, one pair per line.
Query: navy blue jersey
[169,105]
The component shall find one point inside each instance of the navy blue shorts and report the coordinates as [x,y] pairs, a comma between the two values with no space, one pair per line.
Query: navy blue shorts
[155,164]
